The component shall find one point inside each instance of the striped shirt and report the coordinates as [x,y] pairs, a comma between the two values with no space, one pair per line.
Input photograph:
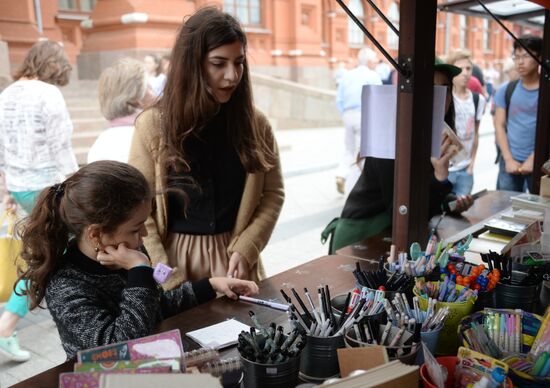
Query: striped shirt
[35,136]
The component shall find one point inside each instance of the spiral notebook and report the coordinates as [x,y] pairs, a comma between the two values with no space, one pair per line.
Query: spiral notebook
[220,335]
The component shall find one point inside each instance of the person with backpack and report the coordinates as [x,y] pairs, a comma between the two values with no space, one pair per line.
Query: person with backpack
[469,108]
[515,118]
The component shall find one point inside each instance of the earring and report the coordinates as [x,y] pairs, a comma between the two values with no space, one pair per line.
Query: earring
[96,249]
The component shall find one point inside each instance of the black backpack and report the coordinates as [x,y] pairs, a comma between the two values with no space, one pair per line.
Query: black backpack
[507,98]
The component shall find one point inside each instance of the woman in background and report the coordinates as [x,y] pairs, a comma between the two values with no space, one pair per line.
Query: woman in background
[123,93]
[35,152]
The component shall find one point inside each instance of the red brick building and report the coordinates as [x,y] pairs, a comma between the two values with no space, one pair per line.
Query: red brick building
[301,40]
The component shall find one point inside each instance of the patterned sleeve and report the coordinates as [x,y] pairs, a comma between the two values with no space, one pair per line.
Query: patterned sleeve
[84,318]
[184,297]
[60,129]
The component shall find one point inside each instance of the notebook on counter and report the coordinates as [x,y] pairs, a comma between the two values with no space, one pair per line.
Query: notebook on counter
[220,335]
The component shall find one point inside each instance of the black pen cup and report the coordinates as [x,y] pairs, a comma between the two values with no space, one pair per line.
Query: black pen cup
[281,375]
[320,358]
[514,296]
[405,353]
[339,301]
[485,299]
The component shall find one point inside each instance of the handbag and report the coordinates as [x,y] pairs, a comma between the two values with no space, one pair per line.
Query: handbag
[10,248]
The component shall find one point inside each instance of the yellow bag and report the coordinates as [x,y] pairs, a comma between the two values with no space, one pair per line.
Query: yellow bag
[10,248]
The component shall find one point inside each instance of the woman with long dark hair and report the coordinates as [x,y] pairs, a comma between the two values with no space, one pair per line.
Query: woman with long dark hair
[206,137]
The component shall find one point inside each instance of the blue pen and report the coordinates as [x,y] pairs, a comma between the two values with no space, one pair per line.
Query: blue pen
[443,289]
[451,287]
[463,295]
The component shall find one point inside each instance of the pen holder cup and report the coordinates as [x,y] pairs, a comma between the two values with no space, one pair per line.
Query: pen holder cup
[513,296]
[338,302]
[530,324]
[485,299]
[448,342]
[280,375]
[391,294]
[405,353]
[430,338]
[320,358]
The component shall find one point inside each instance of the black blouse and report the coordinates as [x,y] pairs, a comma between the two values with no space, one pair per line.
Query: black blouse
[218,176]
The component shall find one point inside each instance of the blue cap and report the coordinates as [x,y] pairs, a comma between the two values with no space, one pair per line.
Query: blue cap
[498,375]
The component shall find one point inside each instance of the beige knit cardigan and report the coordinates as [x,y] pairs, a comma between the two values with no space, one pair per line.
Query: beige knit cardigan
[261,203]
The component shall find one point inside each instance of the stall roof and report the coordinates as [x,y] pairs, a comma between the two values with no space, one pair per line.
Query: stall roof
[518,11]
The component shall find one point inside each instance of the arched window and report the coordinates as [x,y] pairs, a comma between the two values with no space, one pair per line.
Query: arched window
[249,12]
[393,15]
[356,37]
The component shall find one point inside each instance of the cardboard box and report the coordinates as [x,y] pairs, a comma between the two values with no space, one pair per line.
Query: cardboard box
[545,186]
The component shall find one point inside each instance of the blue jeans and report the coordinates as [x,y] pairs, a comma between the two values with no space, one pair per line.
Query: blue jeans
[462,181]
[512,182]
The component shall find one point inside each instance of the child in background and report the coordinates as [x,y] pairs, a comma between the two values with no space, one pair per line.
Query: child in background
[82,245]
[469,108]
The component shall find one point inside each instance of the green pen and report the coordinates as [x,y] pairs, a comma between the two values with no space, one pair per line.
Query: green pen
[539,365]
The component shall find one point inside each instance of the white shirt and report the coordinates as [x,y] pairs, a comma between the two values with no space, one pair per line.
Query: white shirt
[465,121]
[350,87]
[112,144]
[35,136]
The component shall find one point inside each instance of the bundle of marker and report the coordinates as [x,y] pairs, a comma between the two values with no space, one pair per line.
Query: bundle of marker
[322,322]
[504,328]
[476,277]
[269,345]
[445,291]
[401,315]
[377,280]
[398,342]
[540,351]
[419,264]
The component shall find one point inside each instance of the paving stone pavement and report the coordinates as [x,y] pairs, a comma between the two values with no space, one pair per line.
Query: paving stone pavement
[309,160]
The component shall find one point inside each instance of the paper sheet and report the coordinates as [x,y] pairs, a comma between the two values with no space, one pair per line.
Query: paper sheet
[378,120]
[220,335]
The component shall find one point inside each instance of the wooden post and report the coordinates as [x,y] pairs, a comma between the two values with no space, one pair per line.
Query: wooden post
[542,137]
[413,172]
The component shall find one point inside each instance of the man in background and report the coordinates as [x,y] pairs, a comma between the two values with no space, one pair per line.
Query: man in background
[348,100]
[516,118]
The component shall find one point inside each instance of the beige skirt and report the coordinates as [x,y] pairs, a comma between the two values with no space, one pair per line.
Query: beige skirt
[199,256]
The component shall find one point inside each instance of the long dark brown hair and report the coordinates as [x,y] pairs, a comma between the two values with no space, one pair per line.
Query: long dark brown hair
[187,105]
[46,61]
[104,193]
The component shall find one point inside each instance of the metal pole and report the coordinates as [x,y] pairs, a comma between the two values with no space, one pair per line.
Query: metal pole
[38,15]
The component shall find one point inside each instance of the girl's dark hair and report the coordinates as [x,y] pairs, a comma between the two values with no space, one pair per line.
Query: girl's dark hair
[187,105]
[103,193]
[46,61]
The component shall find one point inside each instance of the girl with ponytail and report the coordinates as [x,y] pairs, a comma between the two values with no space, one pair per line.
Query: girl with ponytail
[83,248]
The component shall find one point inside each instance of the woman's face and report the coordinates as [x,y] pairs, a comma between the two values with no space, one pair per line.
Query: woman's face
[224,68]
[130,232]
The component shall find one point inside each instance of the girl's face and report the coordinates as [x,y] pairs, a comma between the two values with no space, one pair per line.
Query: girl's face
[131,232]
[224,68]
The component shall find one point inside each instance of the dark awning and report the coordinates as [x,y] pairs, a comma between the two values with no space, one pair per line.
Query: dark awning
[523,12]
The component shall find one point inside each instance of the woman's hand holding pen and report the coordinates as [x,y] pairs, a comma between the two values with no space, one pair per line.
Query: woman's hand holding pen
[121,257]
[441,165]
[233,287]
[238,266]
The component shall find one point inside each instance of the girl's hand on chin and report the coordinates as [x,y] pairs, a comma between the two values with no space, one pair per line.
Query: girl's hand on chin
[121,257]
